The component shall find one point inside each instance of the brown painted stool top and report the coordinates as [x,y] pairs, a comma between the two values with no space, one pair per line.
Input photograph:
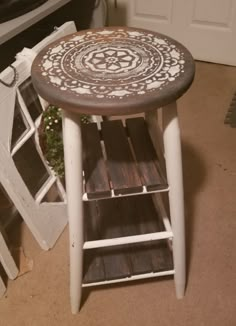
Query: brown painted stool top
[113,71]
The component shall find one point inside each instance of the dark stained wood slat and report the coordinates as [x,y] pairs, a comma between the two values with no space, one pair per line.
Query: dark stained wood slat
[121,165]
[123,217]
[94,270]
[115,258]
[149,221]
[91,221]
[161,255]
[145,154]
[116,263]
[96,178]
[128,216]
[158,251]
[139,259]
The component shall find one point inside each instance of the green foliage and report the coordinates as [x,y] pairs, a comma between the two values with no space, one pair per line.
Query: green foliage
[51,138]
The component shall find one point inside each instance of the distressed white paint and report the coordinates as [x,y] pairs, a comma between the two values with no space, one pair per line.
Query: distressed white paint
[173,156]
[132,278]
[7,260]
[45,220]
[74,184]
[2,287]
[47,65]
[143,192]
[127,240]
[74,187]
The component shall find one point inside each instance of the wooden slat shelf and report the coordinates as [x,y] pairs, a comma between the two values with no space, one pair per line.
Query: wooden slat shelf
[100,267]
[122,217]
[120,160]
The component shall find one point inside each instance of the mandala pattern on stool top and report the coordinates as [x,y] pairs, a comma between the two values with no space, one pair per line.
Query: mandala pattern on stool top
[113,63]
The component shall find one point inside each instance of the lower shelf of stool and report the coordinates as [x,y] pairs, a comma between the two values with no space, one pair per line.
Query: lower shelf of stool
[117,219]
[126,263]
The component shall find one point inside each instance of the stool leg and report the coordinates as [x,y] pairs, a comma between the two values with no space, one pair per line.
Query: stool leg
[173,157]
[74,188]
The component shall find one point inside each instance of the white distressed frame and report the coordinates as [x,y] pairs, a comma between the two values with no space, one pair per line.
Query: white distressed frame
[2,287]
[7,262]
[45,220]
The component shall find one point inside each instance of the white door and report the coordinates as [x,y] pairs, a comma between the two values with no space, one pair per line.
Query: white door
[206,27]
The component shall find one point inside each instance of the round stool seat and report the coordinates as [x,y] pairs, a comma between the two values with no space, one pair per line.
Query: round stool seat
[113,71]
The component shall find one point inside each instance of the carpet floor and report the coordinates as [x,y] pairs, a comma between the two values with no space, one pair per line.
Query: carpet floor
[41,296]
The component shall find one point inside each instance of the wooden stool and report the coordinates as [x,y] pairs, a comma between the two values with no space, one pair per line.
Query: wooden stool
[109,72]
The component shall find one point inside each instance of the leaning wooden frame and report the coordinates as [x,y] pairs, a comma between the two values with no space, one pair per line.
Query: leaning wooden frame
[32,186]
[7,262]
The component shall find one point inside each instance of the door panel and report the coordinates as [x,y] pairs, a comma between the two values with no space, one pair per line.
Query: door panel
[209,30]
[206,27]
[154,15]
[159,11]
[202,13]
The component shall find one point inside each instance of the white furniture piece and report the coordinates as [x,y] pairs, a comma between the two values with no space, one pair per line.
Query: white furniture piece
[119,230]
[2,287]
[24,172]
[14,26]
[7,262]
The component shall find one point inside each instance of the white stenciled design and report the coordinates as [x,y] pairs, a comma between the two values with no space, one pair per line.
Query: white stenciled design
[113,63]
[112,60]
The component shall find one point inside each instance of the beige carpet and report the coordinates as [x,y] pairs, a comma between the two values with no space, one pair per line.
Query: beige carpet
[41,297]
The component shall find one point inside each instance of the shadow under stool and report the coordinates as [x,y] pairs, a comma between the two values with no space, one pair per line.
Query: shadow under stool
[117,170]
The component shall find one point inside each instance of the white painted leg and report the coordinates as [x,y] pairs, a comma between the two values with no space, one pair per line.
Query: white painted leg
[73,172]
[2,287]
[173,156]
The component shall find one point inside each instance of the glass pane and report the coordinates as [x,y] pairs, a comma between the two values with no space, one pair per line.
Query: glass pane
[30,166]
[53,195]
[20,124]
[30,98]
